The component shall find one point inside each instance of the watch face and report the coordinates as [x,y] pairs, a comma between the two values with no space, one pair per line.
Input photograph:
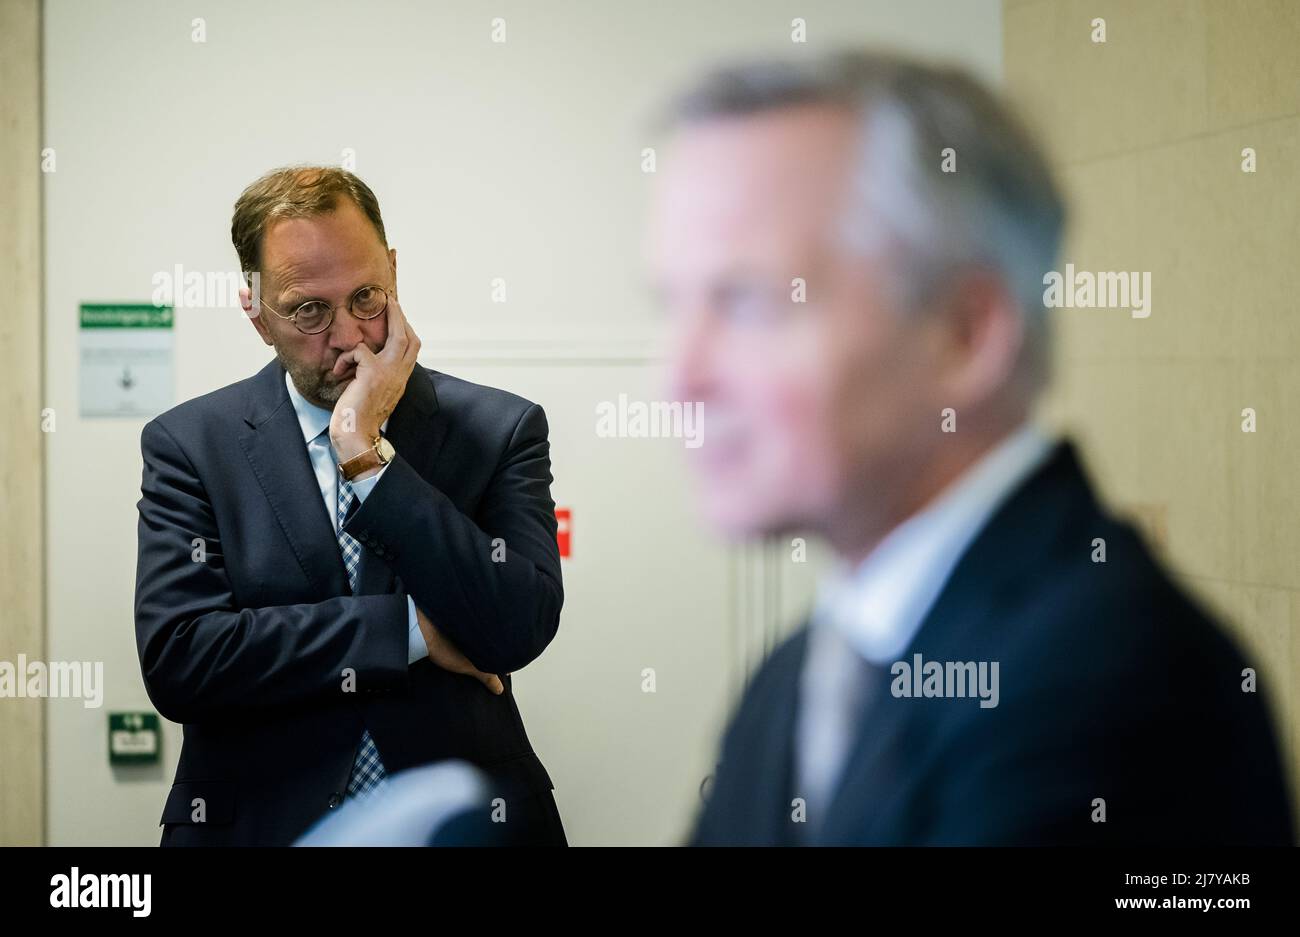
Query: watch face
[385,450]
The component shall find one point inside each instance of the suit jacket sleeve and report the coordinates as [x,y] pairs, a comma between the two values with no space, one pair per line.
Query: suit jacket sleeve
[203,657]
[500,613]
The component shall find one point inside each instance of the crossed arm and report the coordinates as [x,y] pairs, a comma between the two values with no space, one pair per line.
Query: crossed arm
[204,657]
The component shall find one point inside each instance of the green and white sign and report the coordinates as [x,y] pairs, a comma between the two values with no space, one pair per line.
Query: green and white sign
[133,738]
[126,359]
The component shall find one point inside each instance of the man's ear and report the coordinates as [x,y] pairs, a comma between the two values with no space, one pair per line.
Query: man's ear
[254,314]
[982,336]
[392,265]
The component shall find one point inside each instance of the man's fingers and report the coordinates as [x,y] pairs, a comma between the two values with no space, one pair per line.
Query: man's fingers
[344,361]
[407,349]
[445,655]
[411,351]
[397,331]
[397,315]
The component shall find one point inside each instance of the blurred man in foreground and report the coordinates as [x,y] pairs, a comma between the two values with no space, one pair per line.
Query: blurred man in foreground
[851,253]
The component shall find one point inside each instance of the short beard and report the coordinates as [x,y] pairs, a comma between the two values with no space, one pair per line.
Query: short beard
[311,382]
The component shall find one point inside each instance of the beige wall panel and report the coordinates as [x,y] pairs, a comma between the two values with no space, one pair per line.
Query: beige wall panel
[1266,485]
[1148,132]
[1252,61]
[1143,86]
[22,553]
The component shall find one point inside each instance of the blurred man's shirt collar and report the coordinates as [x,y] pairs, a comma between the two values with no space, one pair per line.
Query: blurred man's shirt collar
[879,606]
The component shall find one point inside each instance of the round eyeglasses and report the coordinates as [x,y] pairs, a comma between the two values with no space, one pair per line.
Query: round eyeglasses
[315,316]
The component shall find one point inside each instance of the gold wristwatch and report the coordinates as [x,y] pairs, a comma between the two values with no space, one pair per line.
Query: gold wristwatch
[380,453]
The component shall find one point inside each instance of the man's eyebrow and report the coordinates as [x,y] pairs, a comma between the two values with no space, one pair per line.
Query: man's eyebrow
[295,298]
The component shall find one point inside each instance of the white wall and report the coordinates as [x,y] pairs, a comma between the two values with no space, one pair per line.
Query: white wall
[519,161]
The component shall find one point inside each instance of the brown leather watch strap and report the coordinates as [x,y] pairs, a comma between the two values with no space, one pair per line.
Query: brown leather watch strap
[360,463]
[379,453]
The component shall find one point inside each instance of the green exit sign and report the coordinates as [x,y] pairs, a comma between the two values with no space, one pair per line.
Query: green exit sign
[133,738]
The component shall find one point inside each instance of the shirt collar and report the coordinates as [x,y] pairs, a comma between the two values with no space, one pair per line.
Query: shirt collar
[880,605]
[312,419]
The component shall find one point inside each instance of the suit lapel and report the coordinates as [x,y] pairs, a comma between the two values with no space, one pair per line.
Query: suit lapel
[272,441]
[773,777]
[995,563]
[416,428]
[873,775]
[416,431]
[870,770]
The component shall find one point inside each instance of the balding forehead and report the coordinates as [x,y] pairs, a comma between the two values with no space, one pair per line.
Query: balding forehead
[788,169]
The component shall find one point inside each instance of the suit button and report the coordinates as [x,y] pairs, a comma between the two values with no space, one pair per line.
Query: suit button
[335,800]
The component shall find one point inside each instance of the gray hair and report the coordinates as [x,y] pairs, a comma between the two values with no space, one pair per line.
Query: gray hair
[1000,210]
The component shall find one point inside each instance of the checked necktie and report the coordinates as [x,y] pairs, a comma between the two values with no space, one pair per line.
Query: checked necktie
[368,773]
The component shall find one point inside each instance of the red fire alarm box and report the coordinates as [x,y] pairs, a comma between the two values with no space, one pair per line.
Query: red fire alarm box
[563,524]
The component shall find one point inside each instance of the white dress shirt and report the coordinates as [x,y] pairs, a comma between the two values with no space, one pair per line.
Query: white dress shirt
[314,421]
[875,610]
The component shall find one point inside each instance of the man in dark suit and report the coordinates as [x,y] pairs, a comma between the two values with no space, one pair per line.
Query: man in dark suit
[343,557]
[851,250]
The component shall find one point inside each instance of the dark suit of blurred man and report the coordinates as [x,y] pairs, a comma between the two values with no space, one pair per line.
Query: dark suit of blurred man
[343,557]
[851,251]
